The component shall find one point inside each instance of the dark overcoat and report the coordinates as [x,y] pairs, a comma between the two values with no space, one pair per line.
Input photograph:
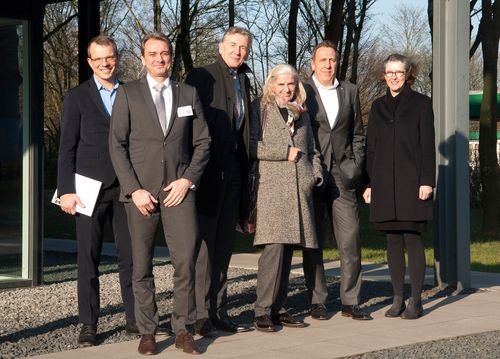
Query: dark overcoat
[401,157]
[215,88]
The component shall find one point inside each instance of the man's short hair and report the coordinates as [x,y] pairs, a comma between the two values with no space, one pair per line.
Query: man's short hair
[326,43]
[156,36]
[238,30]
[102,40]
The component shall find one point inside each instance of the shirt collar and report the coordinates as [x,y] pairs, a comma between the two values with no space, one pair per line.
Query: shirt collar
[152,82]
[100,86]
[319,85]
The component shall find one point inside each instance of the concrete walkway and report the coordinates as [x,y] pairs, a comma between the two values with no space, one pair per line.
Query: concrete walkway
[339,336]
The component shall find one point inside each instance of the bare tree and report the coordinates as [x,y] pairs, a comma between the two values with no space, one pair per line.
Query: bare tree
[182,45]
[157,15]
[292,32]
[409,34]
[231,13]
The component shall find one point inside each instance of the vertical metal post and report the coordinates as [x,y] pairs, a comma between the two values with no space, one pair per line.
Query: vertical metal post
[451,110]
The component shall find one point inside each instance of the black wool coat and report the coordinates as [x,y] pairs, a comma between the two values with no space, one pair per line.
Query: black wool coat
[215,89]
[400,157]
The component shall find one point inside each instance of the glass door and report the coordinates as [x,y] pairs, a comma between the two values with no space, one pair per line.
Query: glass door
[14,151]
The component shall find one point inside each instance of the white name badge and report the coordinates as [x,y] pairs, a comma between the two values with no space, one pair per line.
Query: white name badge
[184,111]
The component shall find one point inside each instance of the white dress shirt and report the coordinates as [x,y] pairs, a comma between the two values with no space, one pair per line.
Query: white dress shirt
[166,93]
[329,98]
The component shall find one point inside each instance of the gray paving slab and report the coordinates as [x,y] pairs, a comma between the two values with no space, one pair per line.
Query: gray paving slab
[339,336]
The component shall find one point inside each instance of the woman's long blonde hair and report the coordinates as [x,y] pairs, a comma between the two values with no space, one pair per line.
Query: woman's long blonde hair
[282,69]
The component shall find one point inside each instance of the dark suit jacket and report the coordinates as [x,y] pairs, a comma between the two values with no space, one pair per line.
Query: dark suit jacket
[401,157]
[84,139]
[343,145]
[142,156]
[215,88]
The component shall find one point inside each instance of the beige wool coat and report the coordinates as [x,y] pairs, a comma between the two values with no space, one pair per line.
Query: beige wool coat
[285,211]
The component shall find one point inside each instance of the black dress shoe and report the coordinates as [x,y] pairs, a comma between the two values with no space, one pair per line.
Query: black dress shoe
[318,311]
[395,310]
[355,312]
[414,310]
[224,323]
[286,320]
[264,323]
[87,335]
[131,328]
[204,328]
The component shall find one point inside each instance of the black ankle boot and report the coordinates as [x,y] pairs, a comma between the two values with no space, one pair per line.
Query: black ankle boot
[414,309]
[398,306]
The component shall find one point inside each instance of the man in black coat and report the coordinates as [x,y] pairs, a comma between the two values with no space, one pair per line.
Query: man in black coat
[223,87]
[338,129]
[84,150]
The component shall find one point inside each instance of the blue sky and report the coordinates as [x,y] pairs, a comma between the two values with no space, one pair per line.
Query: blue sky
[385,8]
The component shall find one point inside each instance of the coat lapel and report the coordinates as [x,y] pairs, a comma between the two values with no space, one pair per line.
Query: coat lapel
[341,98]
[321,112]
[148,100]
[175,104]
[96,97]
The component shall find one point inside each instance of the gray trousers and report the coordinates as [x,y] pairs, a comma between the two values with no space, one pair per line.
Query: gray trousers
[342,209]
[181,234]
[273,274]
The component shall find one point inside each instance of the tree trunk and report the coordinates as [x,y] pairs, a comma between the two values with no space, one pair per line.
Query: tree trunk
[182,45]
[231,13]
[334,27]
[292,32]
[351,25]
[489,169]
[157,15]
[357,37]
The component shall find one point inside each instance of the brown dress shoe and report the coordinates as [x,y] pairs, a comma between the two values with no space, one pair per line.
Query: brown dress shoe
[147,345]
[184,340]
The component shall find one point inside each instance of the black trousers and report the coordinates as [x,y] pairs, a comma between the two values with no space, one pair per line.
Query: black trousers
[89,234]
[217,238]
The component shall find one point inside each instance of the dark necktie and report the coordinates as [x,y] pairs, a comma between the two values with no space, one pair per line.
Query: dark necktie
[238,103]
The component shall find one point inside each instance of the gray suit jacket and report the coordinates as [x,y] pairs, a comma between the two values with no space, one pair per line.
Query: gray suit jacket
[142,156]
[344,145]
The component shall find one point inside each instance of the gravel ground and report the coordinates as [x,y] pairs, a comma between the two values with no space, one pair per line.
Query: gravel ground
[44,319]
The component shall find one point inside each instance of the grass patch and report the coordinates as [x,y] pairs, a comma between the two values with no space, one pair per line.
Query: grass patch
[484,250]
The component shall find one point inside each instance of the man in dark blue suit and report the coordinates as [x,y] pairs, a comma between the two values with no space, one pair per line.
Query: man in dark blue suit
[84,150]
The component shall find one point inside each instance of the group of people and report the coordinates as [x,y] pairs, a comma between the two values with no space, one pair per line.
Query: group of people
[181,152]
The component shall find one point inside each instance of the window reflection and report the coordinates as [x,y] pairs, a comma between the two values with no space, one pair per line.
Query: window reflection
[11,80]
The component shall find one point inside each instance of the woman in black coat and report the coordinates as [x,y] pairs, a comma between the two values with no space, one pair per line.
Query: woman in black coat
[401,167]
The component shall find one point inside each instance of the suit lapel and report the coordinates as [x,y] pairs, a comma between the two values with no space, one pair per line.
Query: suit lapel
[321,108]
[96,97]
[148,100]
[341,98]
[175,104]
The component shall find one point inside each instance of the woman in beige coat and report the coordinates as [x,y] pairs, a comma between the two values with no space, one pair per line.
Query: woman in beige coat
[281,139]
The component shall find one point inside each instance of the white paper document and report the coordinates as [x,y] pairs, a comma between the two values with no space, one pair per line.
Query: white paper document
[87,189]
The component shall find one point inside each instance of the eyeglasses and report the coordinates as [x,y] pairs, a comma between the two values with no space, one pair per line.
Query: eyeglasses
[104,59]
[398,74]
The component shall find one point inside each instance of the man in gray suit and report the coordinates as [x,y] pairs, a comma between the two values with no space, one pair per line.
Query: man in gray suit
[338,129]
[159,145]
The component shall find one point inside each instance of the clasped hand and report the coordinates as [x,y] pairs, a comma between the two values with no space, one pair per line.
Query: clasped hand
[146,203]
